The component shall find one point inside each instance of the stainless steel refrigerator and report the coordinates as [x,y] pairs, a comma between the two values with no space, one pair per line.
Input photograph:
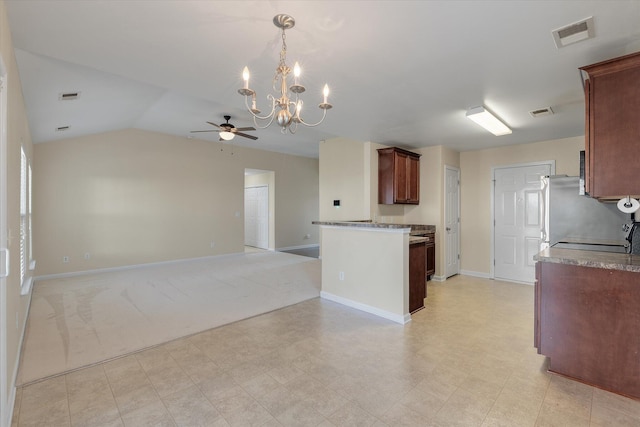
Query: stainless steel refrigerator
[575,221]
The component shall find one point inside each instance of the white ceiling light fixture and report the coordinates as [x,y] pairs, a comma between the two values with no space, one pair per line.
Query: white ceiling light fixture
[227,136]
[488,121]
[284,110]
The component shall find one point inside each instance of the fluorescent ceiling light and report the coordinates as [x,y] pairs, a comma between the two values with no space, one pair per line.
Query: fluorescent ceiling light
[227,136]
[488,121]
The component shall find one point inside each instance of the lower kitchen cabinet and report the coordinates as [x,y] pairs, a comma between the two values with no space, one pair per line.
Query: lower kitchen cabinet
[587,322]
[431,256]
[417,276]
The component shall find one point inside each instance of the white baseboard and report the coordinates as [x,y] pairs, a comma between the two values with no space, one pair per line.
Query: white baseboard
[476,274]
[438,278]
[127,267]
[518,282]
[293,248]
[14,377]
[398,318]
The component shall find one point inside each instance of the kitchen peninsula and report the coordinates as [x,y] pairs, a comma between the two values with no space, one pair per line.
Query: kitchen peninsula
[365,265]
[587,317]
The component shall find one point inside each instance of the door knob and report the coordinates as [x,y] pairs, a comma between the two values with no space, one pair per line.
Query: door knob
[448,228]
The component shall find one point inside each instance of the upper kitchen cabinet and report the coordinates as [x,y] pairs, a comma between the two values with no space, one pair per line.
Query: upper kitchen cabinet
[612,132]
[398,176]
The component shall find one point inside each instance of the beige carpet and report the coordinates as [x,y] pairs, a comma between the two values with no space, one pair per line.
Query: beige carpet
[78,321]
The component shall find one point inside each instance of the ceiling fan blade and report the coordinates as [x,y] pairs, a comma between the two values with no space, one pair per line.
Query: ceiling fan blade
[245,129]
[213,124]
[246,135]
[195,131]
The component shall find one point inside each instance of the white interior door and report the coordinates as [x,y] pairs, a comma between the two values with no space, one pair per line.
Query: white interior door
[452,221]
[256,217]
[4,254]
[517,220]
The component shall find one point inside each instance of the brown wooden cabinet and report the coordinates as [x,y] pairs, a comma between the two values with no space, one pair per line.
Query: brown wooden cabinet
[587,322]
[398,176]
[417,276]
[430,248]
[612,131]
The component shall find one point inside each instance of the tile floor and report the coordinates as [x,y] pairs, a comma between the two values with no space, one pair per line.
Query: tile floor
[465,360]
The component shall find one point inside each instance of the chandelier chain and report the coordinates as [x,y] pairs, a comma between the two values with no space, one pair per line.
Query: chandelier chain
[283,51]
[282,66]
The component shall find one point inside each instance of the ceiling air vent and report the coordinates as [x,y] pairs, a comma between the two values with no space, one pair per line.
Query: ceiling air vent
[62,128]
[541,112]
[68,96]
[573,33]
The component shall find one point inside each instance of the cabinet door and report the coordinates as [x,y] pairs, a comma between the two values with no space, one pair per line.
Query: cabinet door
[588,143]
[613,129]
[616,134]
[417,289]
[413,180]
[398,176]
[536,308]
[431,259]
[401,176]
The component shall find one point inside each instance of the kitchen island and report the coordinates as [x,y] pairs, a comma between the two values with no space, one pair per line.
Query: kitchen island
[587,317]
[365,265]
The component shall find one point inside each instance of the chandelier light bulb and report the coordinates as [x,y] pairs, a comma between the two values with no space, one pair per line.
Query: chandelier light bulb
[296,72]
[245,77]
[325,92]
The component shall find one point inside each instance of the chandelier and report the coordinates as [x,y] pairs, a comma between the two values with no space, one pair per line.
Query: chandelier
[284,110]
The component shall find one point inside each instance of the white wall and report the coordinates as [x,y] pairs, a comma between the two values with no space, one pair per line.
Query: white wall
[375,267]
[342,168]
[476,184]
[15,310]
[133,197]
[349,170]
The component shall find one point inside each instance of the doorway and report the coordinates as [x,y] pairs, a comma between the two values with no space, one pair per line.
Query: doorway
[258,209]
[517,225]
[256,217]
[452,221]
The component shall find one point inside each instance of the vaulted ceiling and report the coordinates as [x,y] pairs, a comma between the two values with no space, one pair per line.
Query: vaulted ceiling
[400,72]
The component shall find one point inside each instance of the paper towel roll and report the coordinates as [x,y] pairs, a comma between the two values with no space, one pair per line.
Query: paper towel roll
[628,205]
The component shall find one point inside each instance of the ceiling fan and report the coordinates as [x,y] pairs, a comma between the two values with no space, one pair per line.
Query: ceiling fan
[228,131]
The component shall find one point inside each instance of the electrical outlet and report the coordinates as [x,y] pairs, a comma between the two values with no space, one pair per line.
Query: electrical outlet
[341,275]
[87,255]
[65,259]
[307,236]
[213,245]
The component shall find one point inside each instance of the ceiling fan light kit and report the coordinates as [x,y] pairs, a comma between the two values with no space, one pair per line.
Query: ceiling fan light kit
[284,110]
[484,118]
[227,131]
[227,136]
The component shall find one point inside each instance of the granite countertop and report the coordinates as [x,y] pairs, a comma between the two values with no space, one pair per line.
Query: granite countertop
[606,260]
[369,224]
[417,239]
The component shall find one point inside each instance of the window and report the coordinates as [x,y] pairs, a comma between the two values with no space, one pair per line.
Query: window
[25,222]
[32,263]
